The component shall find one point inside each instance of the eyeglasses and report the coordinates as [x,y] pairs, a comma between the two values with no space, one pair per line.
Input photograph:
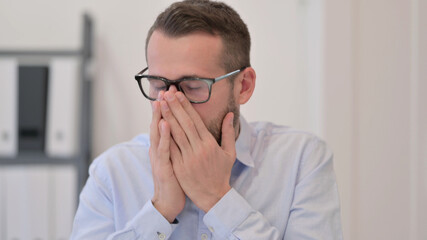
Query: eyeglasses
[197,90]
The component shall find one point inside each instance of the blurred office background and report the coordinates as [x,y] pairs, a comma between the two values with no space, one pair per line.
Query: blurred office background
[352,71]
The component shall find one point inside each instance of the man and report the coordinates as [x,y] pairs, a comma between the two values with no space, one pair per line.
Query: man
[204,172]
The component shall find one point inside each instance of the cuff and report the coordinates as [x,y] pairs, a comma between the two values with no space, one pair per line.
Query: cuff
[150,223]
[227,214]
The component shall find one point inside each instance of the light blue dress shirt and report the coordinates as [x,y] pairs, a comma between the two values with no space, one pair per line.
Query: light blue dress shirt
[283,187]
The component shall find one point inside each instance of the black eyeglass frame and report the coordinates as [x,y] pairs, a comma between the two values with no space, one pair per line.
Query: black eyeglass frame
[168,83]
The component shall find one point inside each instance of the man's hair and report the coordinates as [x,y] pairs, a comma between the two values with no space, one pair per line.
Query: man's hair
[215,18]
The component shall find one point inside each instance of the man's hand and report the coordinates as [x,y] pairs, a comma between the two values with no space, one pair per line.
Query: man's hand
[202,167]
[169,198]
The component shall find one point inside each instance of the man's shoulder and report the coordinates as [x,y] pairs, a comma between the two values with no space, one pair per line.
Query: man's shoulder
[286,140]
[123,155]
[290,146]
[276,131]
[139,142]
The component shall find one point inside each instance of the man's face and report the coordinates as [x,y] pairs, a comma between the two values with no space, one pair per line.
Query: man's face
[199,55]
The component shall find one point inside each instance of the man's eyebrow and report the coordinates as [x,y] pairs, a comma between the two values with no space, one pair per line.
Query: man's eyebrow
[183,77]
[192,76]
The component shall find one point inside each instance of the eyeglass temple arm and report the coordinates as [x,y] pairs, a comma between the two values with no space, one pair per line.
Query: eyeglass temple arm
[229,74]
[142,71]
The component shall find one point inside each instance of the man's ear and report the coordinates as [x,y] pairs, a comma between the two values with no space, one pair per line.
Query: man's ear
[245,85]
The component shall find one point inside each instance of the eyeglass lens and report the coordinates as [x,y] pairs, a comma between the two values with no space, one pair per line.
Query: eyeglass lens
[194,90]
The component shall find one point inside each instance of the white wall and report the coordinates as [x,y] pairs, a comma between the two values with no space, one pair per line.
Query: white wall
[375,115]
[352,71]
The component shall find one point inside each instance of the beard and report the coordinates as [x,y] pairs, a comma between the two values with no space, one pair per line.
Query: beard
[215,125]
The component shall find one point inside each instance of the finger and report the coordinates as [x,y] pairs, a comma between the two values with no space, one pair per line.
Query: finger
[178,133]
[154,129]
[183,118]
[161,95]
[194,115]
[228,139]
[163,152]
[175,153]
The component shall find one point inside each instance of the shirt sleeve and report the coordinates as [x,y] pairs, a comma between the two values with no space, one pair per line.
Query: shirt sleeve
[315,211]
[95,217]
[233,218]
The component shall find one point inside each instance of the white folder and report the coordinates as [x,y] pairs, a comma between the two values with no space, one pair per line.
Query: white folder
[63,107]
[27,202]
[8,107]
[2,202]
[64,191]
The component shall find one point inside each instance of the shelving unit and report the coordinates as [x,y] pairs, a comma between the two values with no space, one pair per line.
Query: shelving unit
[53,173]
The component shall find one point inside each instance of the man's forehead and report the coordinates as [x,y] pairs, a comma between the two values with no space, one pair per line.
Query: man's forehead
[195,40]
[196,54]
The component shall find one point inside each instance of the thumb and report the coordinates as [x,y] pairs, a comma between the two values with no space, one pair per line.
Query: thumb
[228,138]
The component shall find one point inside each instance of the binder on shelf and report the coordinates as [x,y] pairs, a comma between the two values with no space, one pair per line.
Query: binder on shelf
[2,201]
[27,202]
[64,181]
[32,85]
[63,113]
[8,107]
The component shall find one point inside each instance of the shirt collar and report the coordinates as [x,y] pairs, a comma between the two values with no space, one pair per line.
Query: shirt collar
[243,143]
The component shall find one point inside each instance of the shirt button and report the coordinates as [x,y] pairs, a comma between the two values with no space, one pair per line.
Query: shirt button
[204,236]
[161,236]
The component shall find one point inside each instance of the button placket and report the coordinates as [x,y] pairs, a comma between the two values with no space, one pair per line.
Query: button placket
[203,232]
[161,236]
[204,236]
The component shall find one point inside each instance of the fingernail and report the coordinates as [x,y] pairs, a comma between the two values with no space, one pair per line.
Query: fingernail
[232,119]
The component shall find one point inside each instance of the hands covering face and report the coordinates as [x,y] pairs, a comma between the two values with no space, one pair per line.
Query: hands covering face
[186,159]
